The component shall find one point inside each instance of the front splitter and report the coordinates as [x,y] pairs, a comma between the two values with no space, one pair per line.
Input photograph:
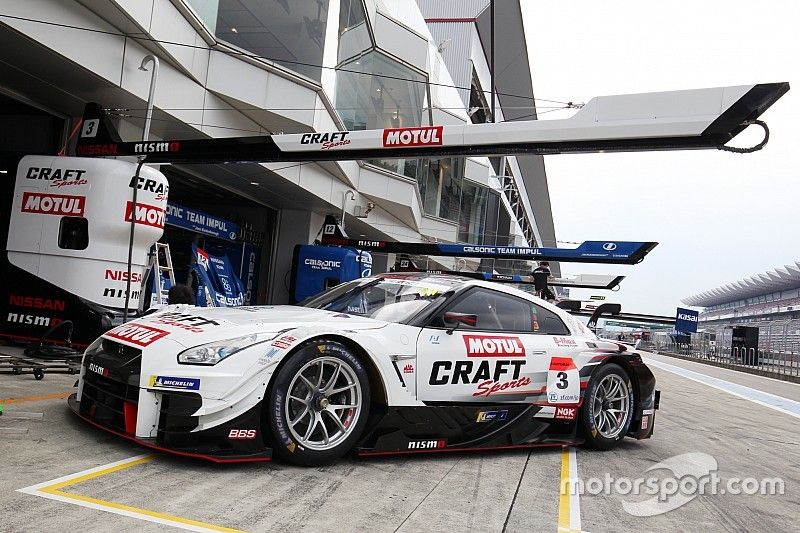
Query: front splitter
[266,455]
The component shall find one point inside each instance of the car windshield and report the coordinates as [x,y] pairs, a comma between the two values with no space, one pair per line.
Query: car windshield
[390,299]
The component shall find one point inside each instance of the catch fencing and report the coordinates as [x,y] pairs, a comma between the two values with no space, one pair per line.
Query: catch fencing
[778,350]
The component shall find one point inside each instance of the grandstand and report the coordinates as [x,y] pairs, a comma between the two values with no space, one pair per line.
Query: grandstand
[769,301]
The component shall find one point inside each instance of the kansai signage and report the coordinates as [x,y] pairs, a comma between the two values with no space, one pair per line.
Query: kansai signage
[686,320]
[425,136]
[493,346]
[53,204]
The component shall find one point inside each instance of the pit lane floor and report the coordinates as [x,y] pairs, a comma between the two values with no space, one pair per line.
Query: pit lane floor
[505,491]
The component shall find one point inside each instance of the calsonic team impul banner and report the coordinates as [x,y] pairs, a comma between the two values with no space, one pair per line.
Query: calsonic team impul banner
[608,252]
[674,120]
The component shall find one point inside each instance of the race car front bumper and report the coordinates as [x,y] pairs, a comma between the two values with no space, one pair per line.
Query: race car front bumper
[111,396]
[199,445]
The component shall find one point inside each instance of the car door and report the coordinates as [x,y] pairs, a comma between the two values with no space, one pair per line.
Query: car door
[488,346]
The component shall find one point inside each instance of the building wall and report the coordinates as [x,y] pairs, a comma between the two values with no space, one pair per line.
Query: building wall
[207,87]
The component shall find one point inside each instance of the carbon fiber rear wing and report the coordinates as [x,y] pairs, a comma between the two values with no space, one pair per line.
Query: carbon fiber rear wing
[673,120]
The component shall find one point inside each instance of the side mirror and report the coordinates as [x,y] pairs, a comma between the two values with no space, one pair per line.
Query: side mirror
[453,320]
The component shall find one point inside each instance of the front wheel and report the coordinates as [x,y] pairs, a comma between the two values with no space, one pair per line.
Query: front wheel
[607,407]
[319,403]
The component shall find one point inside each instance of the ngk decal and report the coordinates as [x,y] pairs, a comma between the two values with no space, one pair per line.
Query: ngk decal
[137,334]
[425,136]
[53,204]
[493,346]
[427,444]
[147,215]
[566,413]
[563,381]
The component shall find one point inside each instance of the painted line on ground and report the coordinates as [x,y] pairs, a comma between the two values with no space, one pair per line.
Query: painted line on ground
[53,490]
[40,398]
[778,403]
[569,505]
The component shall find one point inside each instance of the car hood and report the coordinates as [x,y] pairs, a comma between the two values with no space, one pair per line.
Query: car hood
[192,326]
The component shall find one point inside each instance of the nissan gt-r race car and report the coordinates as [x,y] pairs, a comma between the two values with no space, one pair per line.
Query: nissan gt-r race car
[395,363]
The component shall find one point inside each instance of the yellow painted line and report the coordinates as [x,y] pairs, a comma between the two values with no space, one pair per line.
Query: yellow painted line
[41,398]
[52,490]
[569,513]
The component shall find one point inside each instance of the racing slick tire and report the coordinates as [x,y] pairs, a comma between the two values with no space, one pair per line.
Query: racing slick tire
[319,403]
[607,408]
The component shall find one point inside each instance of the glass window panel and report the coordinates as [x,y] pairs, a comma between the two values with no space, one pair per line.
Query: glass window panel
[207,11]
[472,220]
[353,32]
[289,32]
[376,92]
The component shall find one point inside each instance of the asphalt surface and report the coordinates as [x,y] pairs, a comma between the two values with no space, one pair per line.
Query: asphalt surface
[488,492]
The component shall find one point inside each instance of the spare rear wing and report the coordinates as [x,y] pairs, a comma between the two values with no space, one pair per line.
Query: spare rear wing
[673,120]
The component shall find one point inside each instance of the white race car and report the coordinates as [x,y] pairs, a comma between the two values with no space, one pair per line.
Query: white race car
[396,363]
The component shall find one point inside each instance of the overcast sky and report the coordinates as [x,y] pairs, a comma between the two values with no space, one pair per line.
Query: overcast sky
[718,216]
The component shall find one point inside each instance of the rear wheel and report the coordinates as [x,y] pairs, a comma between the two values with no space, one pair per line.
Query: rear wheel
[319,403]
[607,408]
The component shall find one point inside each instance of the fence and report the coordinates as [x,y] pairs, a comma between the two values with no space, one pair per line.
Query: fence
[778,350]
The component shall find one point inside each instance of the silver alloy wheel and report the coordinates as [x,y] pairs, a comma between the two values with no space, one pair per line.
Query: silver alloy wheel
[323,403]
[610,406]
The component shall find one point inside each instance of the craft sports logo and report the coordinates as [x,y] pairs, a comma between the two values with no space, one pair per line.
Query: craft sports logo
[493,346]
[53,204]
[137,334]
[147,215]
[425,136]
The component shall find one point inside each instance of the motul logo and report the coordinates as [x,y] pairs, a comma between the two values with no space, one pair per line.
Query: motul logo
[137,334]
[147,215]
[426,136]
[53,204]
[486,346]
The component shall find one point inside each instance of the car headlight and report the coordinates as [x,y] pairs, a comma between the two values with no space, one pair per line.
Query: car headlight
[214,352]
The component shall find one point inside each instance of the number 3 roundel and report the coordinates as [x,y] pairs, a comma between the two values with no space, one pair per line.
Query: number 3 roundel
[563,381]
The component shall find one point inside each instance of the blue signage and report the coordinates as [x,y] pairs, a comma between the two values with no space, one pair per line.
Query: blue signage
[588,251]
[686,320]
[194,220]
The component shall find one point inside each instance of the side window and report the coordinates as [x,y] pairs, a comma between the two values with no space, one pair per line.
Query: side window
[493,311]
[73,233]
[546,322]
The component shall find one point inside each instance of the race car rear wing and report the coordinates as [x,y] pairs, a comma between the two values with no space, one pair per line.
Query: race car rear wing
[602,282]
[611,309]
[673,120]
